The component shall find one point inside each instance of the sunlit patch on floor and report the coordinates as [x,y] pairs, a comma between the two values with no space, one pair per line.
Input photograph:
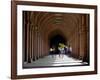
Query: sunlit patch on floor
[55,60]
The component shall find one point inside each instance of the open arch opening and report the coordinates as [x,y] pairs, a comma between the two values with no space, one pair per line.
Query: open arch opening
[55,38]
[55,41]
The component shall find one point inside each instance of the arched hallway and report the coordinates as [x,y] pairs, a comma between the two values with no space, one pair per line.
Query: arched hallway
[49,36]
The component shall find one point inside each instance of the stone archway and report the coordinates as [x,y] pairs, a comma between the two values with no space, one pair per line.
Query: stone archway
[55,37]
[54,42]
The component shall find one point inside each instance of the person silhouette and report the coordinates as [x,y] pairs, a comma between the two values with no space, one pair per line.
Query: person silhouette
[69,50]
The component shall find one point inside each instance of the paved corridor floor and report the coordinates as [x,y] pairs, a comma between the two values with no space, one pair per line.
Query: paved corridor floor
[55,60]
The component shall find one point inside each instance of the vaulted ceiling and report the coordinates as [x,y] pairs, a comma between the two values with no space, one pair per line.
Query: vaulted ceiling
[51,19]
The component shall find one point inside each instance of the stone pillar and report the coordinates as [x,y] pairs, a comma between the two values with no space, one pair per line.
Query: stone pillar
[78,35]
[82,38]
[34,53]
[39,42]
[86,30]
[27,33]
[76,42]
[28,45]
[24,37]
[31,38]
[35,43]
[37,31]
[32,43]
[40,45]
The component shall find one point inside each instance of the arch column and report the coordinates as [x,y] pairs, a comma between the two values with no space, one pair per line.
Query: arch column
[28,38]
[83,36]
[24,38]
[86,30]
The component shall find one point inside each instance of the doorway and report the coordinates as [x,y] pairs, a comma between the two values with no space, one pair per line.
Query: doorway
[55,41]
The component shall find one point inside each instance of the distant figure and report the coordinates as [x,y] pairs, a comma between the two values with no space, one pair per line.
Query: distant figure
[66,49]
[52,51]
[61,49]
[69,49]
